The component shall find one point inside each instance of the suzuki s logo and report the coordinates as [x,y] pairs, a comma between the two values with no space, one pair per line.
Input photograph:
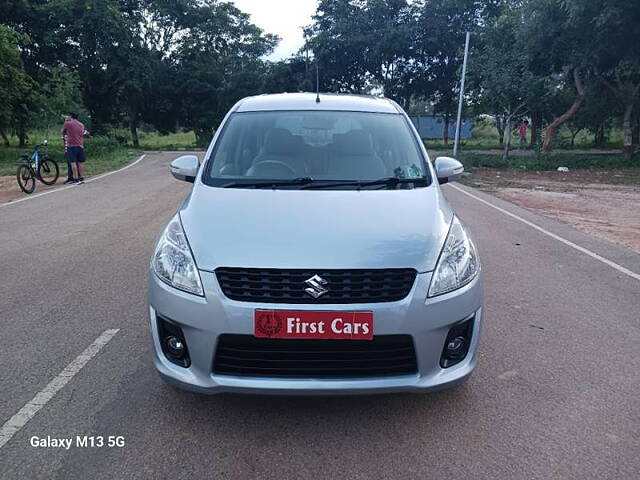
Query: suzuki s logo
[316,288]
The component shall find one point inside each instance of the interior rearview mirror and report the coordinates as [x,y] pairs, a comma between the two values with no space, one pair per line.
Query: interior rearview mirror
[185,168]
[448,169]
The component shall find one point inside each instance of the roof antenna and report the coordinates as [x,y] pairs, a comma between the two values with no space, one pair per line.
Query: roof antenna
[317,84]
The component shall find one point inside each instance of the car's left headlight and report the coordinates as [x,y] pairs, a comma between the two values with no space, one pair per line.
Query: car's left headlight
[173,262]
[458,263]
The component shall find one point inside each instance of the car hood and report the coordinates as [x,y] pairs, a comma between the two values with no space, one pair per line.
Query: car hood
[336,229]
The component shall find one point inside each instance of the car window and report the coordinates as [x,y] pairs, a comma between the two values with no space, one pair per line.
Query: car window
[327,145]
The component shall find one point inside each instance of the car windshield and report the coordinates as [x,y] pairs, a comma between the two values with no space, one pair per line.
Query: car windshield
[299,148]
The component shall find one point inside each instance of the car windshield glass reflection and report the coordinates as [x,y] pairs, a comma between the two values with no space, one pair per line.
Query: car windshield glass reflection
[351,149]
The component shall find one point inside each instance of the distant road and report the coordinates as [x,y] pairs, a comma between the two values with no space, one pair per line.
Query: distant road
[556,393]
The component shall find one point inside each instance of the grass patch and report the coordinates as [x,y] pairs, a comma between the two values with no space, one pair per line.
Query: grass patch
[121,137]
[103,155]
[484,136]
[171,141]
[469,144]
[551,161]
[152,140]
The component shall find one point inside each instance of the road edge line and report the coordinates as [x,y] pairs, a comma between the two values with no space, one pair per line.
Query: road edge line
[106,174]
[29,410]
[569,243]
[92,179]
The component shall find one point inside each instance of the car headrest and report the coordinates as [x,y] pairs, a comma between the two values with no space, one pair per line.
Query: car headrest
[280,140]
[354,142]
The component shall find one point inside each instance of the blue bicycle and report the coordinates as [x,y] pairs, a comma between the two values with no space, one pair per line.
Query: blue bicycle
[36,166]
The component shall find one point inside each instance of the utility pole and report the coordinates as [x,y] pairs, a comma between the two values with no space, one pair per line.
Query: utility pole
[317,83]
[464,73]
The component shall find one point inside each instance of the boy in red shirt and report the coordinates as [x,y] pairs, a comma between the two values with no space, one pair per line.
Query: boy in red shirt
[73,132]
[522,130]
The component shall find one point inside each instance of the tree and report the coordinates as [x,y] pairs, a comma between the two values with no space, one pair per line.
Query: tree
[559,49]
[587,41]
[615,26]
[338,40]
[296,74]
[500,72]
[107,57]
[389,28]
[15,84]
[136,59]
[438,44]
[57,96]
[364,46]
[595,112]
[219,61]
[85,37]
[581,93]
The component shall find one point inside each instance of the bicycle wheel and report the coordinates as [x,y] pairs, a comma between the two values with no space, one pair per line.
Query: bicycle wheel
[48,171]
[26,178]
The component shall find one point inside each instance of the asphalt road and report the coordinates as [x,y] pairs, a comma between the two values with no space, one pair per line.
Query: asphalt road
[556,393]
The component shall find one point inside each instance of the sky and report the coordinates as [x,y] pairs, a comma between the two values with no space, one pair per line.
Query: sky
[285,18]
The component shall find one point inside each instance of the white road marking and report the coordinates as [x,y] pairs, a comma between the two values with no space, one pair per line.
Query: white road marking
[102,175]
[26,413]
[92,179]
[594,255]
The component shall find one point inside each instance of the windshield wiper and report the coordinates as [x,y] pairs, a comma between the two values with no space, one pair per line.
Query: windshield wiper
[388,181]
[310,183]
[269,183]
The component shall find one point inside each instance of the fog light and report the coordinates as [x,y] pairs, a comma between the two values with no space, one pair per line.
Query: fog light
[175,347]
[173,343]
[456,346]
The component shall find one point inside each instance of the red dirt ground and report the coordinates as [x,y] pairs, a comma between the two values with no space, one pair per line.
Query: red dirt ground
[605,203]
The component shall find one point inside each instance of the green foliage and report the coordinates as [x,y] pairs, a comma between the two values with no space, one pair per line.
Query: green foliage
[181,64]
[484,136]
[15,85]
[296,74]
[408,50]
[546,161]
[500,70]
[596,39]
[499,66]
[215,61]
[103,154]
[57,96]
[166,63]
[338,40]
[439,40]
[150,139]
[172,141]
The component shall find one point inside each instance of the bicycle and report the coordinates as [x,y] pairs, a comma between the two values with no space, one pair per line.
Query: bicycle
[36,166]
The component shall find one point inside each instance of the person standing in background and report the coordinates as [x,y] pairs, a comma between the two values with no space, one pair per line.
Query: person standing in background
[69,171]
[522,130]
[73,131]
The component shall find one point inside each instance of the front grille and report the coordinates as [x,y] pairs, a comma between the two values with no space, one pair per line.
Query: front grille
[288,286]
[245,355]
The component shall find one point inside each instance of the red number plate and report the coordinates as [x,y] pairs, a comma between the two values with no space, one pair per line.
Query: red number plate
[305,324]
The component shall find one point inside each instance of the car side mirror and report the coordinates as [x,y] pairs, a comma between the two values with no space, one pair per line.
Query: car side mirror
[185,168]
[448,169]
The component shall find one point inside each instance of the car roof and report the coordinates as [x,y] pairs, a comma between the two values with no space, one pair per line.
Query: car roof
[307,101]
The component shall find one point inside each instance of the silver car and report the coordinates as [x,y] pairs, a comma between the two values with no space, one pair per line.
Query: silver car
[315,254]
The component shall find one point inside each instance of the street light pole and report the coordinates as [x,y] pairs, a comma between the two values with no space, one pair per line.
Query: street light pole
[464,73]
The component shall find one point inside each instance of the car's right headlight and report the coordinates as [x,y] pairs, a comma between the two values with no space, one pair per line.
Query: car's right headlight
[173,262]
[458,263]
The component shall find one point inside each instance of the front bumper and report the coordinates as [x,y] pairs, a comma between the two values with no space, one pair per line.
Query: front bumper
[202,320]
